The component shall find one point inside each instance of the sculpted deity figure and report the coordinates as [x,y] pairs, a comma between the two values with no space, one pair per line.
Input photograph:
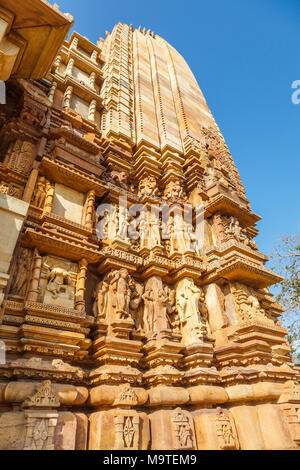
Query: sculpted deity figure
[135,306]
[174,192]
[144,229]
[21,276]
[100,300]
[122,219]
[109,223]
[40,192]
[117,297]
[233,229]
[148,187]
[156,308]
[121,286]
[188,297]
[155,239]
[247,303]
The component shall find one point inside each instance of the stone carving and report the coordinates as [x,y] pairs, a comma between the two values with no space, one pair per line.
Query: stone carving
[100,300]
[41,418]
[118,178]
[40,431]
[182,427]
[44,397]
[127,432]
[156,308]
[188,297]
[110,223]
[58,281]
[225,433]
[248,306]
[22,273]
[174,192]
[127,397]
[122,223]
[20,156]
[116,296]
[39,196]
[148,187]
[33,115]
[232,229]
[149,229]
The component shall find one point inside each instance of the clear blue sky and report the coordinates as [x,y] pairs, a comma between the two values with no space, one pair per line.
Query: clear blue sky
[245,55]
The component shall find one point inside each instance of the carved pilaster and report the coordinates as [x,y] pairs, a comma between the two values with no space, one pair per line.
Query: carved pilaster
[80,286]
[33,291]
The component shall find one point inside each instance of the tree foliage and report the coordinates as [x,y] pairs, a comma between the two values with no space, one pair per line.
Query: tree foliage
[286,261]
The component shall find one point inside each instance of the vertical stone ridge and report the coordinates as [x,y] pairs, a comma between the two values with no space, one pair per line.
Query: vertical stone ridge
[146,120]
[165,107]
[117,91]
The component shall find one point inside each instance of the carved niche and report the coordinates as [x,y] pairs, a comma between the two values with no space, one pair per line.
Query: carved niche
[183,430]
[247,304]
[117,297]
[225,429]
[20,156]
[233,230]
[57,282]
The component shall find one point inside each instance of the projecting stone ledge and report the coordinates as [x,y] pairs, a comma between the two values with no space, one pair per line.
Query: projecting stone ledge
[31,33]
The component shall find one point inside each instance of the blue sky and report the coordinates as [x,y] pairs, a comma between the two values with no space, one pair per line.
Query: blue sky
[245,55]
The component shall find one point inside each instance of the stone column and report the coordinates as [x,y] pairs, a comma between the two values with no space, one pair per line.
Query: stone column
[80,285]
[215,303]
[94,56]
[49,199]
[89,211]
[67,97]
[30,185]
[92,110]
[52,91]
[69,70]
[74,43]
[35,279]
[57,63]
[92,80]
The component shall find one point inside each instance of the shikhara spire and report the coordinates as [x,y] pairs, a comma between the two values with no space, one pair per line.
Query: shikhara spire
[133,292]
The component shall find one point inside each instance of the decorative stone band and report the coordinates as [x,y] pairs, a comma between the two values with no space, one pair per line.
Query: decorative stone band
[53,311]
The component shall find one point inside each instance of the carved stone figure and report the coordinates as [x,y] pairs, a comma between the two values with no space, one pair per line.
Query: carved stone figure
[100,300]
[116,296]
[248,305]
[225,433]
[123,223]
[148,187]
[118,178]
[232,229]
[156,308]
[182,428]
[188,296]
[40,192]
[174,192]
[57,282]
[22,273]
[155,239]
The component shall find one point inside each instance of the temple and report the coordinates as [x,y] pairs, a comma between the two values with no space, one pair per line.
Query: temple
[135,304]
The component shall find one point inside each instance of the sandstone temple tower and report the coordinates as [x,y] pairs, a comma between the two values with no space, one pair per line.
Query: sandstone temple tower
[165,340]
